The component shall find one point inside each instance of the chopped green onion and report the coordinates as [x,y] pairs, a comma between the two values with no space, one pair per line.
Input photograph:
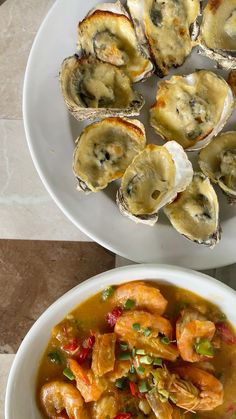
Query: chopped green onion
[68,374]
[146,360]
[147,331]
[129,304]
[164,393]
[140,369]
[157,362]
[172,398]
[121,383]
[55,357]
[136,326]
[222,316]
[132,369]
[204,347]
[140,352]
[133,352]
[156,375]
[165,340]
[107,293]
[143,386]
[124,356]
[123,346]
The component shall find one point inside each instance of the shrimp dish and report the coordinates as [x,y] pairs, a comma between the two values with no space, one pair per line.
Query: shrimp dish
[140,350]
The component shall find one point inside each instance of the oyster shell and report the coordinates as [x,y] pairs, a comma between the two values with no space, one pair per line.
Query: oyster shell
[152,180]
[218,161]
[218,32]
[108,33]
[104,150]
[192,109]
[195,212]
[165,28]
[94,89]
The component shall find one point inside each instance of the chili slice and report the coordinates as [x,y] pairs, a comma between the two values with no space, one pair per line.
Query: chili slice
[225,333]
[113,316]
[123,416]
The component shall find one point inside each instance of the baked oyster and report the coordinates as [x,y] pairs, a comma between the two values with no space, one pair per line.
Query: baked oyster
[195,212]
[152,180]
[94,89]
[192,109]
[165,29]
[108,33]
[218,32]
[218,161]
[104,150]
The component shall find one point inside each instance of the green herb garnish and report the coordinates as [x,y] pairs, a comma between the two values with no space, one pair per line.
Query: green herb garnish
[143,386]
[68,374]
[165,340]
[147,331]
[204,347]
[140,352]
[123,346]
[148,360]
[55,357]
[129,304]
[140,369]
[124,356]
[157,362]
[132,369]
[121,383]
[136,327]
[107,293]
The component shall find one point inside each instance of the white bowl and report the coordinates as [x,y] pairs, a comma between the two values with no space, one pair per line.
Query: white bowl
[20,394]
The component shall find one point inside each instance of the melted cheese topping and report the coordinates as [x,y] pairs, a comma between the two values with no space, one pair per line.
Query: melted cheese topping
[218,29]
[218,161]
[167,29]
[112,38]
[105,149]
[146,181]
[195,211]
[100,85]
[188,108]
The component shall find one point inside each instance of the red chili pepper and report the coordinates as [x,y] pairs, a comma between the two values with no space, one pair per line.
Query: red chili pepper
[123,416]
[230,408]
[225,333]
[72,346]
[133,388]
[84,351]
[113,316]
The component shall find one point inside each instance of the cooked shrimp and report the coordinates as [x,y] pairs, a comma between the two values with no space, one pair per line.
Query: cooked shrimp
[191,327]
[128,323]
[57,396]
[125,325]
[107,404]
[103,359]
[145,296]
[162,409]
[90,386]
[208,392]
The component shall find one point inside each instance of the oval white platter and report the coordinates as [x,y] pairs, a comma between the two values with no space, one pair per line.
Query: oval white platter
[51,133]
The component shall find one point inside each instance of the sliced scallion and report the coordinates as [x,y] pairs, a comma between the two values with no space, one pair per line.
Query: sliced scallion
[55,357]
[68,374]
[165,340]
[146,359]
[132,369]
[129,304]
[121,383]
[140,352]
[124,356]
[136,327]
[204,347]
[141,370]
[143,386]
[147,331]
[107,293]
[157,362]
[123,346]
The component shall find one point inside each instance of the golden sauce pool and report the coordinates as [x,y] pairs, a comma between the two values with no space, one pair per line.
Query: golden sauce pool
[90,318]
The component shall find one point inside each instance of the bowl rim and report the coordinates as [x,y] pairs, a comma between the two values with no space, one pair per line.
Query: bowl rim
[159,272]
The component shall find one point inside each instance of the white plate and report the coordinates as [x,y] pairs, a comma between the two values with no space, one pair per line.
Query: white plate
[51,132]
[20,394]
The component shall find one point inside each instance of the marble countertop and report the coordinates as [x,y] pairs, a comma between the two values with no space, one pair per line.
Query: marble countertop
[36,240]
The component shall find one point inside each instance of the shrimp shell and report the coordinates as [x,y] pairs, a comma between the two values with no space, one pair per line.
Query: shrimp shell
[145,296]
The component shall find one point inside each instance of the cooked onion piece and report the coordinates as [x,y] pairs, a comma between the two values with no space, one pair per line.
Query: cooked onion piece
[195,212]
[165,29]
[218,161]
[93,89]
[108,33]
[192,109]
[104,150]
[152,180]
[218,32]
